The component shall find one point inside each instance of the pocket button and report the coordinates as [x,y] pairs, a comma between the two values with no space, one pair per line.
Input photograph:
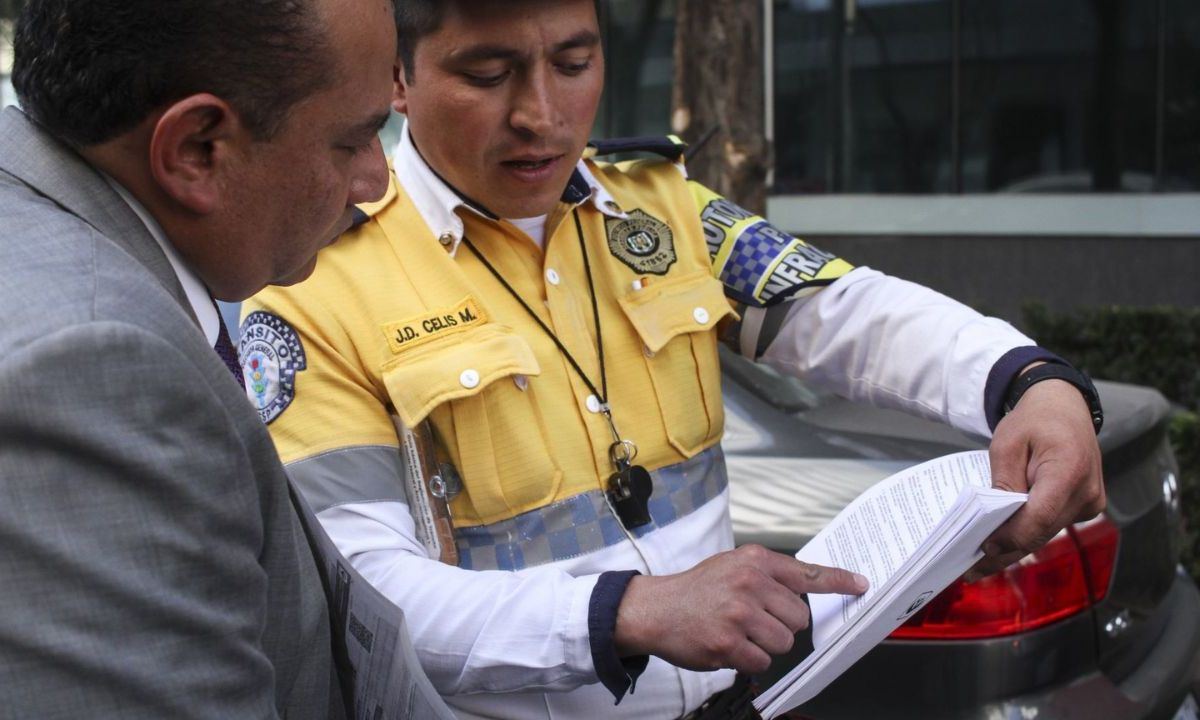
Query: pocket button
[701,315]
[469,378]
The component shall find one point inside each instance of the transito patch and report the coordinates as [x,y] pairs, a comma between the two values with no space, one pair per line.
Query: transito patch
[440,322]
[271,354]
[642,241]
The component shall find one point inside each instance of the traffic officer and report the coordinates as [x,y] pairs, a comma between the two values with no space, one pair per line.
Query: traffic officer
[554,319]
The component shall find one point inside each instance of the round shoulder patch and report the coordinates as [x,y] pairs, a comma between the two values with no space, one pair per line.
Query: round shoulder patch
[271,356]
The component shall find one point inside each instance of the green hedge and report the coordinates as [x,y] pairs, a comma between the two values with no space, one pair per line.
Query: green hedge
[1155,346]
[1185,438]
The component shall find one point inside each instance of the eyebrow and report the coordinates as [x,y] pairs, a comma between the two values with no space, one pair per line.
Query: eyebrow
[477,53]
[581,39]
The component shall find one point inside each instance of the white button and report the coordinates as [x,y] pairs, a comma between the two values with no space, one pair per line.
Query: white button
[593,403]
[552,276]
[521,382]
[701,315]
[469,378]
[447,238]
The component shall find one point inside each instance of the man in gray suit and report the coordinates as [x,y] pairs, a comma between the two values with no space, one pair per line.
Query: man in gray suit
[151,561]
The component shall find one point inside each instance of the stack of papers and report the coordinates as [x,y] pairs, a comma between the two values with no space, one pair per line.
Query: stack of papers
[912,535]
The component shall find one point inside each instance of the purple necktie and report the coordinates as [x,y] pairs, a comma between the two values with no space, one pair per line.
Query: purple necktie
[227,352]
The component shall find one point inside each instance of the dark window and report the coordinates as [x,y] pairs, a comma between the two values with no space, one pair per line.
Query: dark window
[639,38]
[933,96]
[1180,142]
[1058,95]
[897,113]
[863,96]
[807,100]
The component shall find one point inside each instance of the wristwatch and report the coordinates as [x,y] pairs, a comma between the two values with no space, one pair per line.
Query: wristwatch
[1055,371]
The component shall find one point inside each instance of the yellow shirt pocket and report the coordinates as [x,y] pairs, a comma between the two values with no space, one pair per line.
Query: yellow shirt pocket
[490,427]
[676,320]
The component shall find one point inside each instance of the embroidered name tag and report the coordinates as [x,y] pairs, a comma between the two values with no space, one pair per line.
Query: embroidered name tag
[413,332]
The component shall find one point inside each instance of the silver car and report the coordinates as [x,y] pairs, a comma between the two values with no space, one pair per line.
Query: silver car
[1101,623]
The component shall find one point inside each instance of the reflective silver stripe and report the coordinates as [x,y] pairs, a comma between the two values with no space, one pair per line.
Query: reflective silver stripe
[364,473]
[583,524]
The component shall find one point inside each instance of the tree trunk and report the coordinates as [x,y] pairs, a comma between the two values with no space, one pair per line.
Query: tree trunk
[719,84]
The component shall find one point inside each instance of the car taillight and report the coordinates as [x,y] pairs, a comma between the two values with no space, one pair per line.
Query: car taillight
[1064,577]
[1097,540]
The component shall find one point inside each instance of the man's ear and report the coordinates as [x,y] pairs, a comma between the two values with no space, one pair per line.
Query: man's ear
[399,89]
[190,147]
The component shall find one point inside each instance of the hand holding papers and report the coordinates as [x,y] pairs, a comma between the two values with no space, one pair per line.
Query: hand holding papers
[911,535]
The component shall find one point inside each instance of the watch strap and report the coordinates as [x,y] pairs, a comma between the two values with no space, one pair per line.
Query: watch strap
[1056,371]
[1006,369]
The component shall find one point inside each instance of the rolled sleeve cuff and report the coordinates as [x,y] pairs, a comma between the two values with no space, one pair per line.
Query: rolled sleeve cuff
[617,674]
[1006,369]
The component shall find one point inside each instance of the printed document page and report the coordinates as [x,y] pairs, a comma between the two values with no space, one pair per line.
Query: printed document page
[877,532]
[911,535]
[377,664]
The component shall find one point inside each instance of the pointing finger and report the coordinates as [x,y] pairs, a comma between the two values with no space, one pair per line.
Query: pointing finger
[800,577]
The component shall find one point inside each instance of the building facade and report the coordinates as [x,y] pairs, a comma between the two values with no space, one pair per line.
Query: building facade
[1000,150]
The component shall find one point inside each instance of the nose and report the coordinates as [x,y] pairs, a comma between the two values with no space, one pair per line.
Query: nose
[370,180]
[533,110]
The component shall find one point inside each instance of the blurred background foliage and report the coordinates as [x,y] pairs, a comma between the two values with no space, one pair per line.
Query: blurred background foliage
[1156,346]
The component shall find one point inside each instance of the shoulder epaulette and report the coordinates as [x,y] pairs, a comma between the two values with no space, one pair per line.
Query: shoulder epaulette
[668,146]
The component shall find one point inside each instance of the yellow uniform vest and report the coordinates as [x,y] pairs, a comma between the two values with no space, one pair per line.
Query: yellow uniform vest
[392,323]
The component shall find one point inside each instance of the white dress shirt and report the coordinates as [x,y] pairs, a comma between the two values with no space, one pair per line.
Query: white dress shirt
[196,292]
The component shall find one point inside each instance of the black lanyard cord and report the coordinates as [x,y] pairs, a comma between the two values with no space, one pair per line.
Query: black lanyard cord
[602,394]
[629,488]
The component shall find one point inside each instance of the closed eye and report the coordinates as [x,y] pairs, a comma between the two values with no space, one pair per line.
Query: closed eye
[485,80]
[575,68]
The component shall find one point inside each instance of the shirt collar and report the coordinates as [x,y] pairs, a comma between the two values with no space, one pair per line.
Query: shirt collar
[197,294]
[436,201]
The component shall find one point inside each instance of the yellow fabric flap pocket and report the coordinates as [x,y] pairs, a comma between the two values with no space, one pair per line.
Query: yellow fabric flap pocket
[662,309]
[454,367]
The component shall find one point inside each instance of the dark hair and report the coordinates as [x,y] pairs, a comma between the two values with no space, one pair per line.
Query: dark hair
[414,20]
[417,18]
[91,70]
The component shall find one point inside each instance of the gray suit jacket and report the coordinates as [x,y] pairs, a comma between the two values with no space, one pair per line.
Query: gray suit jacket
[151,562]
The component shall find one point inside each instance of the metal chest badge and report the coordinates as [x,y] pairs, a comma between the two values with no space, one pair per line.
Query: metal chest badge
[641,241]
